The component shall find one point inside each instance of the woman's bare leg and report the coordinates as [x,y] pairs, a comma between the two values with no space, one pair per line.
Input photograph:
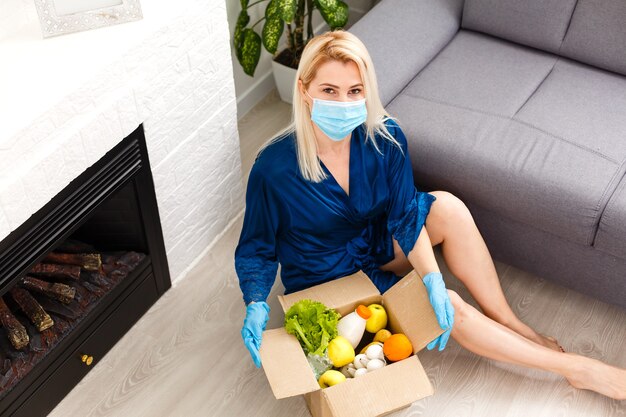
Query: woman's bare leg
[486,337]
[465,252]
[450,224]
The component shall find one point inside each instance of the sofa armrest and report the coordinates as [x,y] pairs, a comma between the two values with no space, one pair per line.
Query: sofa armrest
[403,36]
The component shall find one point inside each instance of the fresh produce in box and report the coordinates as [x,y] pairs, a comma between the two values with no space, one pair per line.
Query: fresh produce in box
[352,326]
[330,378]
[371,359]
[314,325]
[340,351]
[397,347]
[319,330]
[382,335]
[378,319]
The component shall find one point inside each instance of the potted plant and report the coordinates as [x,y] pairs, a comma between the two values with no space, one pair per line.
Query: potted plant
[278,15]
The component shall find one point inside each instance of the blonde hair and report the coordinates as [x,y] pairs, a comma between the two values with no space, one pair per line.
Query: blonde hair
[341,46]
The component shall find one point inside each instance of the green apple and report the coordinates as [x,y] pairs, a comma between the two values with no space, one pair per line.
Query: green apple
[330,378]
[340,351]
[378,319]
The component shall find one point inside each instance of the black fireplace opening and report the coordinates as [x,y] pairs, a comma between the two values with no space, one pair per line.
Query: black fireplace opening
[76,276]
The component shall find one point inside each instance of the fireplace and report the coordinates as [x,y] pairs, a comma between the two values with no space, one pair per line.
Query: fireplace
[76,276]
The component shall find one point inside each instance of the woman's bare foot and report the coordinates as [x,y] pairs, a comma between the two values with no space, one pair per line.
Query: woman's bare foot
[552,343]
[547,341]
[591,374]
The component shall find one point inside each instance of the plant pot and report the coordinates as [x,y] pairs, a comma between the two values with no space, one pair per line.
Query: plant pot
[285,79]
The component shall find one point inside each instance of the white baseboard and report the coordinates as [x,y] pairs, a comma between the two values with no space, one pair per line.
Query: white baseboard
[253,95]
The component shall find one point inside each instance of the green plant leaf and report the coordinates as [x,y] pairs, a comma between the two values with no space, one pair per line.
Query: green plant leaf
[334,12]
[288,10]
[273,9]
[242,21]
[244,4]
[326,4]
[272,31]
[251,51]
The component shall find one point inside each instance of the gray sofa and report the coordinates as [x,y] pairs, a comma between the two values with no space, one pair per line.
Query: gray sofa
[518,107]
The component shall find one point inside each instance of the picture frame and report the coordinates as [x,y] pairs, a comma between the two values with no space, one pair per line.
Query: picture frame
[60,17]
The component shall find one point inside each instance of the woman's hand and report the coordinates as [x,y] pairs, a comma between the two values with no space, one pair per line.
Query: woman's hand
[257,314]
[438,295]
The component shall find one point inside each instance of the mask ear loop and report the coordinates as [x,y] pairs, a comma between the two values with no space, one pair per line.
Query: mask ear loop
[309,106]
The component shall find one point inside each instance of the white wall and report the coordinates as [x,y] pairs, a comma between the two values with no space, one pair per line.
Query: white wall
[65,101]
[251,90]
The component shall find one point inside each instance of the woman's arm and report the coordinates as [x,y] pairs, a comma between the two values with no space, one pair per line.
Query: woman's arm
[256,261]
[422,257]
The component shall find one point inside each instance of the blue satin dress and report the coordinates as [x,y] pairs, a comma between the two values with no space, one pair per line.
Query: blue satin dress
[318,232]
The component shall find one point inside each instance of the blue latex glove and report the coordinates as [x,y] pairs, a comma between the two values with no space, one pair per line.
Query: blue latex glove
[257,315]
[442,305]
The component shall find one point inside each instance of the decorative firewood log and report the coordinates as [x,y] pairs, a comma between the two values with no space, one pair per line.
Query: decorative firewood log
[63,293]
[31,307]
[87,261]
[57,271]
[15,330]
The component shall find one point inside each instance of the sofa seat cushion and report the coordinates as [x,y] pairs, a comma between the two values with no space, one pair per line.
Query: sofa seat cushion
[482,73]
[582,104]
[462,117]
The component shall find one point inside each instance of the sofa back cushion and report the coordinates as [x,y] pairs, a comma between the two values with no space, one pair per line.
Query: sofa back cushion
[597,34]
[538,23]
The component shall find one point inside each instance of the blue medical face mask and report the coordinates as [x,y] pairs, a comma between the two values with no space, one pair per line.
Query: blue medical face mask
[338,118]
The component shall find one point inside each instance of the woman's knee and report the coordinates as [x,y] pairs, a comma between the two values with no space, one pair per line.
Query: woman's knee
[449,208]
[460,306]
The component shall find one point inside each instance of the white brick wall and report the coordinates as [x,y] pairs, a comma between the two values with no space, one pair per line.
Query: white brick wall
[177,80]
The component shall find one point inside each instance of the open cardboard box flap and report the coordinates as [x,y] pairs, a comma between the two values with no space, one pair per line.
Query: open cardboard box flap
[285,364]
[389,388]
[341,294]
[409,311]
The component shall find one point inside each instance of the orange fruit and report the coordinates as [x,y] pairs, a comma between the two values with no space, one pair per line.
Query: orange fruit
[397,347]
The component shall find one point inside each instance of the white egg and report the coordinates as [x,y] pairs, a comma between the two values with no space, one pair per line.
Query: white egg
[360,361]
[359,372]
[346,371]
[375,364]
[375,352]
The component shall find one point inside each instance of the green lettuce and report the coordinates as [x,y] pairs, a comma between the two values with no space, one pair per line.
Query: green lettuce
[313,324]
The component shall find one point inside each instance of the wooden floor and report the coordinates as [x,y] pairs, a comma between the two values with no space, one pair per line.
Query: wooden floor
[185,357]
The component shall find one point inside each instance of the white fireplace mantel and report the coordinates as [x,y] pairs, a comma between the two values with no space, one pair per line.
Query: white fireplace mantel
[65,101]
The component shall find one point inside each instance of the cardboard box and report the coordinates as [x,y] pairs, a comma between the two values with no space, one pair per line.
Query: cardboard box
[376,393]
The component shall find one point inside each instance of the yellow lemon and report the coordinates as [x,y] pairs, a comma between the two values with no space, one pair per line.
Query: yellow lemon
[340,351]
[382,335]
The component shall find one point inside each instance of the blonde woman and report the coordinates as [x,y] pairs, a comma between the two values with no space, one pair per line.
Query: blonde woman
[334,193]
